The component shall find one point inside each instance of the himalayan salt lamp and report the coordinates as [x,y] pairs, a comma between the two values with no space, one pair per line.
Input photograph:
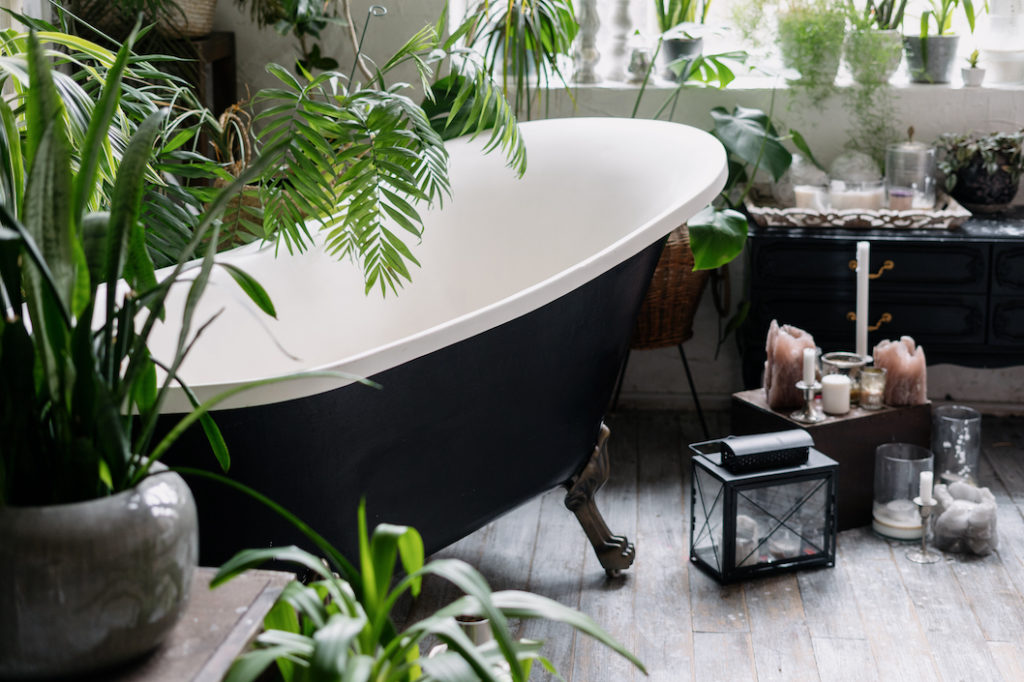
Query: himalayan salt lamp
[784,365]
[907,372]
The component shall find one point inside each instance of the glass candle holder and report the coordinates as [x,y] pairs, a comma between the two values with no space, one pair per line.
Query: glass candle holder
[813,197]
[956,442]
[872,387]
[849,364]
[856,195]
[910,176]
[898,468]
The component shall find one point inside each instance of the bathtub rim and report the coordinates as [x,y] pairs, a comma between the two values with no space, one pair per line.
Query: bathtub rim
[406,348]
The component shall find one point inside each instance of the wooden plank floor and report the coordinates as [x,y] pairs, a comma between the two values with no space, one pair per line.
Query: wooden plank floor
[875,616]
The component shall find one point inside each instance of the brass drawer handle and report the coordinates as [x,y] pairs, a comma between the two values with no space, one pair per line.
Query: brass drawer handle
[886,317]
[886,265]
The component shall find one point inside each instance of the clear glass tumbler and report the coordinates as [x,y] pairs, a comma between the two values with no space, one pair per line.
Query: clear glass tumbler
[956,442]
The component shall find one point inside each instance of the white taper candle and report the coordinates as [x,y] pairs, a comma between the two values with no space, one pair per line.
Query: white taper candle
[926,487]
[809,366]
[863,255]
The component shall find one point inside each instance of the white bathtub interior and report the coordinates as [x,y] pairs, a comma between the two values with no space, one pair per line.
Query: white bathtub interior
[596,191]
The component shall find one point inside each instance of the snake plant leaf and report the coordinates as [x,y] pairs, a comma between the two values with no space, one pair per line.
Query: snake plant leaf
[749,134]
[717,237]
[126,245]
[99,125]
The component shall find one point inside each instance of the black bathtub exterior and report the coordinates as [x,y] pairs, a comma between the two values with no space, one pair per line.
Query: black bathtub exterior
[451,441]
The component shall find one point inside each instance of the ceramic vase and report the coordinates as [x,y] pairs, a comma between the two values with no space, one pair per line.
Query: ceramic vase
[89,585]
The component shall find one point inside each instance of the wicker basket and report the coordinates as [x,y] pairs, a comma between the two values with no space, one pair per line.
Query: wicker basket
[195,19]
[666,316]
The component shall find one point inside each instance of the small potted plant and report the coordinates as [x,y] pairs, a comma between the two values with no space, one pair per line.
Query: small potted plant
[930,57]
[982,172]
[675,21]
[874,45]
[810,36]
[972,74]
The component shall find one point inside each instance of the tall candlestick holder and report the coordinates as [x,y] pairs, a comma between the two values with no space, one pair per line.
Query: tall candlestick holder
[808,415]
[924,555]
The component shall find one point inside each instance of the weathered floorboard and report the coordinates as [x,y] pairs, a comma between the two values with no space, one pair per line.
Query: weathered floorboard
[874,616]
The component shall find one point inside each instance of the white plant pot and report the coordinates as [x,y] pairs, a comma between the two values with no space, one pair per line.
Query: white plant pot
[92,584]
[972,77]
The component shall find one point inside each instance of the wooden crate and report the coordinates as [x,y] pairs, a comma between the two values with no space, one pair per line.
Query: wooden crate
[850,440]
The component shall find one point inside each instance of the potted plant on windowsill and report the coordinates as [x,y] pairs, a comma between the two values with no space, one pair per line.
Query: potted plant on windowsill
[677,21]
[810,36]
[930,58]
[874,45]
[982,172]
[96,547]
[972,74]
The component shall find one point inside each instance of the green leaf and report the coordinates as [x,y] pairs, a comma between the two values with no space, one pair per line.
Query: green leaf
[252,288]
[749,135]
[805,149]
[716,237]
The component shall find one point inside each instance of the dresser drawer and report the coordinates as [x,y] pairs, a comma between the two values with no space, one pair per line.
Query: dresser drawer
[1007,321]
[917,266]
[1008,269]
[943,320]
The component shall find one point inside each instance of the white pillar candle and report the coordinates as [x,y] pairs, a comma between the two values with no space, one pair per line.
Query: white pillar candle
[926,487]
[835,393]
[809,366]
[863,254]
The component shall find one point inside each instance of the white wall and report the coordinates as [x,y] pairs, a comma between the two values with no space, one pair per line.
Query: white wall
[655,378]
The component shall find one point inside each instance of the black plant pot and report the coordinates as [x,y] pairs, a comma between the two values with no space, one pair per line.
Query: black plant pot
[978,190]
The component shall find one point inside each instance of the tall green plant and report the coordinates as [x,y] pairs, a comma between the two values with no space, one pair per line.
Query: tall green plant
[523,40]
[940,13]
[886,15]
[340,629]
[671,13]
[81,297]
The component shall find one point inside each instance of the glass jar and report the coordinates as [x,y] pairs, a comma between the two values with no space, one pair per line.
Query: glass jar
[849,364]
[898,468]
[956,442]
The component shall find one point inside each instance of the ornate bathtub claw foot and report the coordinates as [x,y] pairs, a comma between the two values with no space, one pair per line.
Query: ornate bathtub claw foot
[615,552]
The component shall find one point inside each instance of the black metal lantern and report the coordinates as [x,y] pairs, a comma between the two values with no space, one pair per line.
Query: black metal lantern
[747,523]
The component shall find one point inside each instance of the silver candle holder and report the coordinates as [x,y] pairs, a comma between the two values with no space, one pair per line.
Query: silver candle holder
[808,415]
[924,555]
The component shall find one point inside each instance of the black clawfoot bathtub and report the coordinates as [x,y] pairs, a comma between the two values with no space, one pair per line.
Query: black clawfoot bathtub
[496,364]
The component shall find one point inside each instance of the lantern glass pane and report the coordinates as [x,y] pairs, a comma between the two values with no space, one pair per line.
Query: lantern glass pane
[781,522]
[708,518]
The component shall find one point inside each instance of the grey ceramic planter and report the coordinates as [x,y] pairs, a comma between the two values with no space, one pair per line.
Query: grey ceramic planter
[88,585]
[930,60]
[673,49]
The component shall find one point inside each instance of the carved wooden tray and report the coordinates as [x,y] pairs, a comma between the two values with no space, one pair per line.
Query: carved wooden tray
[947,215]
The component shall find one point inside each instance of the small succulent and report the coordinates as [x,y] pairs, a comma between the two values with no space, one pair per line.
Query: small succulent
[972,59]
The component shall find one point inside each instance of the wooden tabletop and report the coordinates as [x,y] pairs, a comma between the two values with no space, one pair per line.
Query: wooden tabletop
[216,627]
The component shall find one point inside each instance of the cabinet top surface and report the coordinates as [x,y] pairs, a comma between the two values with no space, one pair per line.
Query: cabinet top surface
[997,227]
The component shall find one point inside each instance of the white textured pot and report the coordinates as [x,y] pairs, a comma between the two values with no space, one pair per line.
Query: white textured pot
[88,585]
[973,77]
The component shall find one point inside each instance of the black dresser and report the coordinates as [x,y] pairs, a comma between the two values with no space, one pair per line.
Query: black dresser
[959,292]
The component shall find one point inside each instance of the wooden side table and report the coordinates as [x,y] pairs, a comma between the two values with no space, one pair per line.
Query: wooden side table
[216,627]
[850,440]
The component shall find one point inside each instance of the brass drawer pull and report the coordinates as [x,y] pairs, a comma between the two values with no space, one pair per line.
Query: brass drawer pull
[886,317]
[886,265]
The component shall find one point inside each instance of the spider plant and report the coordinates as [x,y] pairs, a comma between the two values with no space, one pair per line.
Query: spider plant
[80,294]
[339,628]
